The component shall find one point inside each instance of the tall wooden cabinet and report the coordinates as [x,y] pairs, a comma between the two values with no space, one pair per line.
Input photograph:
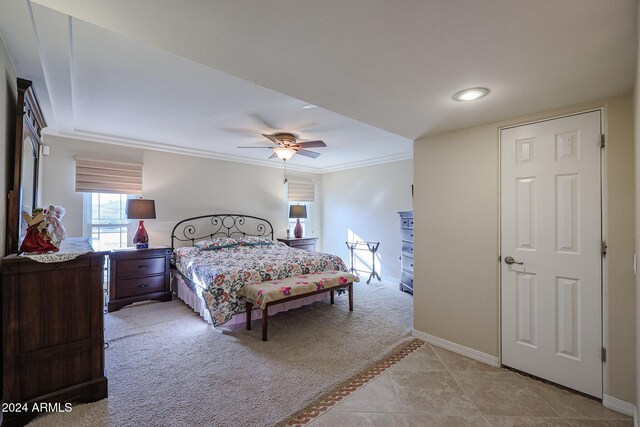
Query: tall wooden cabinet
[52,333]
[406,255]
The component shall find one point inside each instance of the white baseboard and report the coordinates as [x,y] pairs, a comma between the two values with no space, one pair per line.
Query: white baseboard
[618,405]
[460,349]
[635,417]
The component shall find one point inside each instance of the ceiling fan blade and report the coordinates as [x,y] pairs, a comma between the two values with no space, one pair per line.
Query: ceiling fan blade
[271,138]
[308,153]
[270,148]
[273,156]
[256,117]
[311,144]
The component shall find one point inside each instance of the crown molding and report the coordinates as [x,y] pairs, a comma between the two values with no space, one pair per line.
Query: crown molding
[83,135]
[368,162]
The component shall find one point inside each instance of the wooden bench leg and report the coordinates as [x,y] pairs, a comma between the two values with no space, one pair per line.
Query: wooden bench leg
[248,315]
[265,322]
[350,296]
[332,295]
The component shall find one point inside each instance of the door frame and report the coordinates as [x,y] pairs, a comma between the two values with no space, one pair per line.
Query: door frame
[604,283]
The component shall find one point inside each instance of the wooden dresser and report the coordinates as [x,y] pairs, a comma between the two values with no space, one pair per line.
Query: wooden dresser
[139,275]
[406,254]
[52,333]
[307,243]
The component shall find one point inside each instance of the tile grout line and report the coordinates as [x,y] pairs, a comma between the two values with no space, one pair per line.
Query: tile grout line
[458,384]
[521,379]
[395,390]
[305,417]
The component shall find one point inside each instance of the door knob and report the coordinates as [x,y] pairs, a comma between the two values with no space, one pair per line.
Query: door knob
[509,260]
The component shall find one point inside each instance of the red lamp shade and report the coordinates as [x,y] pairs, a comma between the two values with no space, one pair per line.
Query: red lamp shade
[141,209]
[297,211]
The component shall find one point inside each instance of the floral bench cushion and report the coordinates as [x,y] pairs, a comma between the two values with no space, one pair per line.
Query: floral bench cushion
[274,290]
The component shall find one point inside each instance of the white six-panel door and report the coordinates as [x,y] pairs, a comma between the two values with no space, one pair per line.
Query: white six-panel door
[551,223]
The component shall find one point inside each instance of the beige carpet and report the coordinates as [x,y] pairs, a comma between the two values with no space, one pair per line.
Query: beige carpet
[167,367]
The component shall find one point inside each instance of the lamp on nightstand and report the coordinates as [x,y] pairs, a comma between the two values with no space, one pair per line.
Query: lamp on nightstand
[297,211]
[141,209]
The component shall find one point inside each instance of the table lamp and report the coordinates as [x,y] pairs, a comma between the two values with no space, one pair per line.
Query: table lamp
[141,209]
[297,211]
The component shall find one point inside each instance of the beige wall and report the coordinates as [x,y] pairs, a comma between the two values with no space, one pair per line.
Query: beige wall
[456,238]
[637,218]
[182,187]
[8,90]
[363,204]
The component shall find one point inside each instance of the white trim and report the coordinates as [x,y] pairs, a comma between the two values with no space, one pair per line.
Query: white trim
[169,148]
[618,405]
[458,348]
[635,416]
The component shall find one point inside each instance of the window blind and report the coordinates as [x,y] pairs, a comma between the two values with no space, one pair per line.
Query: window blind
[101,176]
[301,191]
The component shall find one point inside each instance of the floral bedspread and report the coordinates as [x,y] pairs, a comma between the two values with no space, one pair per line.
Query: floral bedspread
[275,290]
[221,273]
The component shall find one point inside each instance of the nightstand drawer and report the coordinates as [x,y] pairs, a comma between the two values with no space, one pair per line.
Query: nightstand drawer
[130,268]
[305,246]
[140,286]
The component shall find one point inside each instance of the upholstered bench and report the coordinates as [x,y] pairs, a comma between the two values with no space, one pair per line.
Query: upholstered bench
[272,292]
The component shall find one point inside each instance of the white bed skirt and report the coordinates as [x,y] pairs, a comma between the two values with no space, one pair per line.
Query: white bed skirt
[197,304]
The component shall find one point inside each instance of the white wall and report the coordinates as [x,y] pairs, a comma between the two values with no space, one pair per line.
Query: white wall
[364,202]
[8,90]
[182,187]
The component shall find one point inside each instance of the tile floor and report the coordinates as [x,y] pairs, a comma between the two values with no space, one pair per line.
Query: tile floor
[435,387]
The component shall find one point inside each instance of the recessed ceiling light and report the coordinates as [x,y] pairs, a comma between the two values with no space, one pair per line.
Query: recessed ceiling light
[471,94]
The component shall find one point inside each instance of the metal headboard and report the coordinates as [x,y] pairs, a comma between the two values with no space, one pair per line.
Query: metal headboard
[219,225]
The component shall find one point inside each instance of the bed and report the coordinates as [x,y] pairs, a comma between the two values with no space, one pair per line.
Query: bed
[209,280]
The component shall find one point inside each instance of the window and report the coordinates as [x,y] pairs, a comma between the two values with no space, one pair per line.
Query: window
[305,222]
[105,220]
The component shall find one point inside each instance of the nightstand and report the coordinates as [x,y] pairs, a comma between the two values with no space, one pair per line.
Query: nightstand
[138,275]
[307,243]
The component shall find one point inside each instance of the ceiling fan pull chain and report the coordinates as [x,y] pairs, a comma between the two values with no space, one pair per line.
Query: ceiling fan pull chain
[285,171]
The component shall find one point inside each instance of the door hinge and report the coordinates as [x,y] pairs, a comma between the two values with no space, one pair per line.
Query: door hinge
[603,248]
[499,258]
[602,141]
[603,354]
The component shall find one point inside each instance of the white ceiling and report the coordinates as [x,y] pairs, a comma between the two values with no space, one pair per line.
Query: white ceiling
[193,75]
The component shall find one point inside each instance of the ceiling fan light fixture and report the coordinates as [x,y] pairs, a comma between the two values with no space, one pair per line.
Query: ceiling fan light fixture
[471,94]
[284,153]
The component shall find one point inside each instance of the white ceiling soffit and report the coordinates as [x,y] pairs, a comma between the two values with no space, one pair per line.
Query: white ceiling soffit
[395,64]
[16,29]
[106,87]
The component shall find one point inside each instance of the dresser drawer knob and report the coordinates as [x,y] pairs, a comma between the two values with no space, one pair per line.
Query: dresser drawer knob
[142,266]
[142,286]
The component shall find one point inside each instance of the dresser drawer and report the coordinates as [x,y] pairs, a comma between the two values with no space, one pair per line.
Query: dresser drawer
[140,286]
[407,248]
[407,234]
[305,246]
[406,223]
[130,268]
[407,279]
[407,263]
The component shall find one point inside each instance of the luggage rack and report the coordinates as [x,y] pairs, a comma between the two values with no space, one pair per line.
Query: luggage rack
[373,248]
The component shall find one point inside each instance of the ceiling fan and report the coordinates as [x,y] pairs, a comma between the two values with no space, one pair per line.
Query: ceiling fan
[286,146]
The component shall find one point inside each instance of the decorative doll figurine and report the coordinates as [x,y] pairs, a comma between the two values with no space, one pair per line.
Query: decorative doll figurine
[55,229]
